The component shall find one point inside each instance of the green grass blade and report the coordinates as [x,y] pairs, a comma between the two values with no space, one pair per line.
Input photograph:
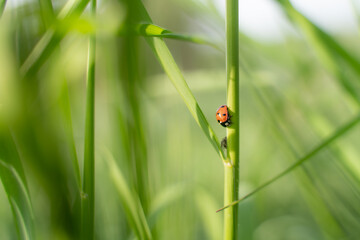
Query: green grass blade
[311,192]
[130,201]
[172,70]
[330,52]
[131,79]
[151,30]
[47,12]
[341,131]
[316,204]
[2,6]
[88,199]
[67,118]
[318,37]
[52,37]
[13,178]
[167,61]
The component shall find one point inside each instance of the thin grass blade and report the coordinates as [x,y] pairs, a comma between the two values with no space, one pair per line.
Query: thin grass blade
[88,198]
[338,133]
[167,61]
[172,70]
[130,200]
[13,178]
[151,30]
[130,80]
[52,37]
[67,118]
[332,55]
[47,12]
[320,210]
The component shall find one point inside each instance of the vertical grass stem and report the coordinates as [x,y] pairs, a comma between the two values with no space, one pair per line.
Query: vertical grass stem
[232,164]
[88,196]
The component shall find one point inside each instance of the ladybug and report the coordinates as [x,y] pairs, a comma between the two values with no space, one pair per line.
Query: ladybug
[222,116]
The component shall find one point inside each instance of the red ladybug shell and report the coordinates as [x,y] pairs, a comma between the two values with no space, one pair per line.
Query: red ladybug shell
[222,116]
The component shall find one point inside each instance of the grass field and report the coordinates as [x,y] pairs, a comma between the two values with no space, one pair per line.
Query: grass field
[108,129]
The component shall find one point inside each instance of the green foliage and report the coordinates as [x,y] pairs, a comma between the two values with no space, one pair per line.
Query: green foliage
[13,178]
[130,201]
[88,190]
[333,56]
[308,156]
[172,70]
[158,177]
[151,30]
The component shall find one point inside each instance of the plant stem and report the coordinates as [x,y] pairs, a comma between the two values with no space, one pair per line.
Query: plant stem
[88,198]
[231,165]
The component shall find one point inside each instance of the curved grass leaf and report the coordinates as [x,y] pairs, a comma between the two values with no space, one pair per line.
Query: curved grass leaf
[52,36]
[172,70]
[167,61]
[339,132]
[330,52]
[130,200]
[13,178]
[129,74]
[151,30]
[67,118]
[311,194]
[47,12]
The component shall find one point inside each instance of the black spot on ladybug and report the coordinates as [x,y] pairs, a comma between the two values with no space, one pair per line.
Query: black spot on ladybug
[222,106]
[218,121]
[224,114]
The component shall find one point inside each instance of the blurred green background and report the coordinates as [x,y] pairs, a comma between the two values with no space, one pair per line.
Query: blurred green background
[294,92]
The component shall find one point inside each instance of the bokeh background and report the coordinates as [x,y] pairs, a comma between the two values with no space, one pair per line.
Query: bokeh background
[298,84]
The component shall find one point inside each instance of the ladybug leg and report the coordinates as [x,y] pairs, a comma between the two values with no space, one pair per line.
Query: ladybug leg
[229,120]
[224,143]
